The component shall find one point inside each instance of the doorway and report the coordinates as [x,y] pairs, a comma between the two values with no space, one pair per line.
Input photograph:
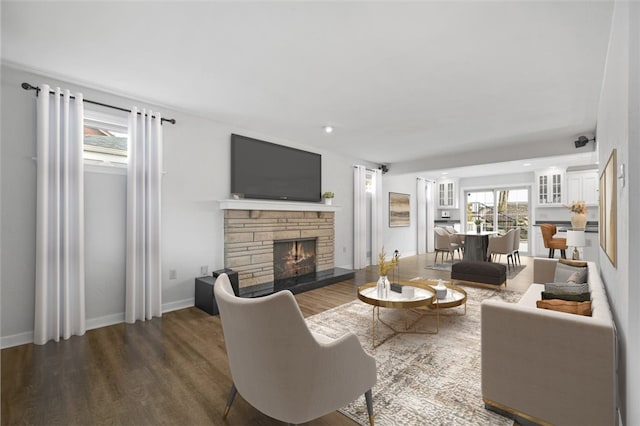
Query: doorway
[500,210]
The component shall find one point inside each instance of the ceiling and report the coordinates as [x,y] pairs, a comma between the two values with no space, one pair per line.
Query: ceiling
[416,85]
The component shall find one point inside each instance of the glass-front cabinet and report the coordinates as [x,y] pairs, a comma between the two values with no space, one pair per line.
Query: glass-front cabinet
[550,187]
[447,193]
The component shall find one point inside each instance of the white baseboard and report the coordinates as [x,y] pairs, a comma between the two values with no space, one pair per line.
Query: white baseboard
[16,339]
[178,304]
[93,323]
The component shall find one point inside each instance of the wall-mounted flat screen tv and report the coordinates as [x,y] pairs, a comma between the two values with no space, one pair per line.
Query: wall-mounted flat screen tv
[266,170]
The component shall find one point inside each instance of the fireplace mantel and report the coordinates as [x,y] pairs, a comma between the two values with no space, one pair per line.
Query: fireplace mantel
[274,205]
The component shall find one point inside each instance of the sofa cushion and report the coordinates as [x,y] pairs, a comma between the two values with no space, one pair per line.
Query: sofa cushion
[570,273]
[566,288]
[575,297]
[581,263]
[580,308]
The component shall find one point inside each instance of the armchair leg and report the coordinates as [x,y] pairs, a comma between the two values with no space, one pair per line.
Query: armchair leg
[369,400]
[232,395]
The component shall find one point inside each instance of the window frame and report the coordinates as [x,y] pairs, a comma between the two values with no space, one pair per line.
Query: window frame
[96,160]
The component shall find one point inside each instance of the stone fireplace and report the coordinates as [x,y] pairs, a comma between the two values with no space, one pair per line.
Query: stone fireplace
[252,227]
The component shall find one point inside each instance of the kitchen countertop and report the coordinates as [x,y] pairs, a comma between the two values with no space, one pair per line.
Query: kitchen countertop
[563,226]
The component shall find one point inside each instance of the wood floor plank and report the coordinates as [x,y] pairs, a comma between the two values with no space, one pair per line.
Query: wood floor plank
[170,370]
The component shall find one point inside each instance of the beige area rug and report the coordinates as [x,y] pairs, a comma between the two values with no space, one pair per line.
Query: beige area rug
[423,379]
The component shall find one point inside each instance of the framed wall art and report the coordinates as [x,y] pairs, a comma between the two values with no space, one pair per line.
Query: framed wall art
[399,212]
[608,208]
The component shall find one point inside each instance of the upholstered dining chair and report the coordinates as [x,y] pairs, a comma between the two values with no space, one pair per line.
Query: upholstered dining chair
[281,367]
[515,253]
[444,243]
[501,244]
[548,232]
[455,237]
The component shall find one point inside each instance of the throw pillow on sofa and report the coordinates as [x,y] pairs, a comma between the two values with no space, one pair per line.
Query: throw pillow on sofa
[579,308]
[579,297]
[566,288]
[571,272]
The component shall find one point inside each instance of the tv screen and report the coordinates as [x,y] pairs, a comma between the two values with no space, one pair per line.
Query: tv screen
[266,170]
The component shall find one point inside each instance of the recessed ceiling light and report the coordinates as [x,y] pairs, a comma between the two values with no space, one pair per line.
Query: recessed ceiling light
[526,164]
[444,173]
[328,129]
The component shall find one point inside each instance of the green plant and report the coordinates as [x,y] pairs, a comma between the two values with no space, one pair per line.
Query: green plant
[478,221]
[328,195]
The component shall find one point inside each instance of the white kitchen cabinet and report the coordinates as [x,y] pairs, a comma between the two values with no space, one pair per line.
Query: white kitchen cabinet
[550,187]
[583,185]
[538,243]
[447,193]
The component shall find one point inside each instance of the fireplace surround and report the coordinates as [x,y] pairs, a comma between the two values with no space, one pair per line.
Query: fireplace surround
[252,226]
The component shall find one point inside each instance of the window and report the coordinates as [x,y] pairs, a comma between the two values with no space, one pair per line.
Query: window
[105,138]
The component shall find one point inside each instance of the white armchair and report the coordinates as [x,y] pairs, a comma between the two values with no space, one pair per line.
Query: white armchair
[282,368]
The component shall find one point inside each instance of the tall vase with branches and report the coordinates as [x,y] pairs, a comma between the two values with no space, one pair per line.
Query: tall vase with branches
[384,267]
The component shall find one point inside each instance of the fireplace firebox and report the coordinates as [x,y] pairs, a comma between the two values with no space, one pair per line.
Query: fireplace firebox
[294,261]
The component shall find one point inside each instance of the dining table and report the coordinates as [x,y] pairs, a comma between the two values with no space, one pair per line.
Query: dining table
[476,244]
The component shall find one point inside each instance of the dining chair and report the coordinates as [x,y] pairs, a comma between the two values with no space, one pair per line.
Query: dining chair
[455,237]
[444,243]
[515,253]
[501,244]
[548,231]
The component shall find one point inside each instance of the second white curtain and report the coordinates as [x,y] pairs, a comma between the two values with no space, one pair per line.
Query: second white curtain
[377,237]
[143,299]
[359,217]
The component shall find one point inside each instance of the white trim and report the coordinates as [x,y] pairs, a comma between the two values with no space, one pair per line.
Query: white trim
[105,167]
[105,321]
[115,122]
[245,204]
[178,304]
[17,339]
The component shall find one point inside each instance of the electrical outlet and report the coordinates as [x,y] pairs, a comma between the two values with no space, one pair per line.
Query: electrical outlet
[204,270]
[173,274]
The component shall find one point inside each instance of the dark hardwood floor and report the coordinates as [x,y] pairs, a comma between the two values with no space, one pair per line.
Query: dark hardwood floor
[170,370]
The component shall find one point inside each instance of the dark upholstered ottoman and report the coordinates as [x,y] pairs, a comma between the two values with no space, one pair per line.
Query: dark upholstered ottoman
[479,272]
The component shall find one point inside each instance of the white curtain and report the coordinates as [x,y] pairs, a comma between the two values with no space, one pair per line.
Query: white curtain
[377,237]
[359,217]
[59,289]
[143,299]
[421,199]
[431,215]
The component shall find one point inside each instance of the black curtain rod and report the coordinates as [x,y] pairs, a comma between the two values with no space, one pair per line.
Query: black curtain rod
[27,86]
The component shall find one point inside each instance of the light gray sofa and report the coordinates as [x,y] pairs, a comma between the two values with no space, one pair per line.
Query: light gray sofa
[550,367]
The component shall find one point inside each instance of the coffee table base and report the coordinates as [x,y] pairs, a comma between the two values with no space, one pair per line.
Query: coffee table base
[409,327]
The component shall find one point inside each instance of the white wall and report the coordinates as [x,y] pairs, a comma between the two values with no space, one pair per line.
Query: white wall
[618,128]
[403,239]
[196,162]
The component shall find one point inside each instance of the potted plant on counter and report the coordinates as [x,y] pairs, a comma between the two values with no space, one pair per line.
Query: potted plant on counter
[328,197]
[478,223]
